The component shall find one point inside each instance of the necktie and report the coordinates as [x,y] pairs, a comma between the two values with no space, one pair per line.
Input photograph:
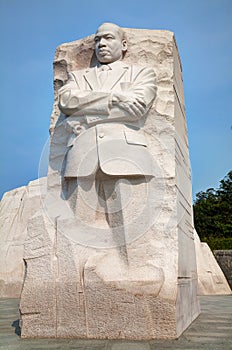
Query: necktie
[103,73]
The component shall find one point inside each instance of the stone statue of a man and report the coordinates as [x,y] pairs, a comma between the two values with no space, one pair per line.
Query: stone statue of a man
[108,103]
[109,100]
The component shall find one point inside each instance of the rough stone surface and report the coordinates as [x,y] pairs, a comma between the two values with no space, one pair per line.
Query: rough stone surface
[211,280]
[224,259]
[16,207]
[77,287]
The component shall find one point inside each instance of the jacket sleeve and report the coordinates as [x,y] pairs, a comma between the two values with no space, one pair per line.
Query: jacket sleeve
[77,102]
[142,86]
[97,106]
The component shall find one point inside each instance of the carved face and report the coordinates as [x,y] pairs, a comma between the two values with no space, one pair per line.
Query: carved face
[109,44]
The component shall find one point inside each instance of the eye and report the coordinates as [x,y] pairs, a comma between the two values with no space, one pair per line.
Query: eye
[96,39]
[109,37]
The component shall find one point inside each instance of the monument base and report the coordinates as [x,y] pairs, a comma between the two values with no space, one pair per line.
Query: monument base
[106,312]
[72,291]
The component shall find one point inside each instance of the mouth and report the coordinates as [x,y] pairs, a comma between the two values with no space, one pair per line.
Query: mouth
[103,51]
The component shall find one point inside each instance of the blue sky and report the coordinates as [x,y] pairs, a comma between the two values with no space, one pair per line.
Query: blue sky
[30,31]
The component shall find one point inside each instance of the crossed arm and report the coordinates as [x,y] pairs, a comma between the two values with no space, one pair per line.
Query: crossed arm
[112,105]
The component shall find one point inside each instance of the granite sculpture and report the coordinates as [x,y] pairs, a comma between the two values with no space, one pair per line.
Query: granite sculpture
[111,253]
[18,205]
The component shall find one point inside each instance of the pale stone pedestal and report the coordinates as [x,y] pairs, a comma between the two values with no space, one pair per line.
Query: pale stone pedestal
[77,283]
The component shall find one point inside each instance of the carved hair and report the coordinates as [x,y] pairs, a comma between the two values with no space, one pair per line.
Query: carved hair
[119,29]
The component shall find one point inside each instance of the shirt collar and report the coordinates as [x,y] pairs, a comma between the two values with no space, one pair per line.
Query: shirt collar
[112,65]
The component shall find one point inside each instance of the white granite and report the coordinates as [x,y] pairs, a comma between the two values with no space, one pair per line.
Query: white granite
[211,280]
[81,281]
[16,207]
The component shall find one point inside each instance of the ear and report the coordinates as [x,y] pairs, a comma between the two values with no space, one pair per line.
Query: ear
[124,45]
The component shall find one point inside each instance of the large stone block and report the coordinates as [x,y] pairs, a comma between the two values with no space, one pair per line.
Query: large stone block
[16,207]
[211,280]
[81,281]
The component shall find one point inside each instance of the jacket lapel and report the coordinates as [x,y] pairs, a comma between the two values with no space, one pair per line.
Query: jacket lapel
[117,71]
[91,78]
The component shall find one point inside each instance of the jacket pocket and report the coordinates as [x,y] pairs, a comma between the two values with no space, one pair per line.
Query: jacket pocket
[134,138]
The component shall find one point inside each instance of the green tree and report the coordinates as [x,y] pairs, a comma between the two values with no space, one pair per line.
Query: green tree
[213,214]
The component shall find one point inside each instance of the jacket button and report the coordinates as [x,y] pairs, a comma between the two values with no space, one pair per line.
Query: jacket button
[101,135]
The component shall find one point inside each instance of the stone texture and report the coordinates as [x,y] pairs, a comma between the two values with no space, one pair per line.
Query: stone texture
[224,259]
[75,287]
[16,207]
[211,280]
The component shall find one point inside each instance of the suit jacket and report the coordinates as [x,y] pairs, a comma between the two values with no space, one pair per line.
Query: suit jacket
[110,141]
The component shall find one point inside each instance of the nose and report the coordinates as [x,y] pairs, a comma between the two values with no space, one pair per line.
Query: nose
[102,42]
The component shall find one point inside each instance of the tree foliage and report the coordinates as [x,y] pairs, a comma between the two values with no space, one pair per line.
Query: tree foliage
[213,214]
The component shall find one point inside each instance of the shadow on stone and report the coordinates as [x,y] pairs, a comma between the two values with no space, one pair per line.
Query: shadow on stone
[15,324]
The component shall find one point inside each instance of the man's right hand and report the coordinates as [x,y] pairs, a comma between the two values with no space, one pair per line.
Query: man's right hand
[134,105]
